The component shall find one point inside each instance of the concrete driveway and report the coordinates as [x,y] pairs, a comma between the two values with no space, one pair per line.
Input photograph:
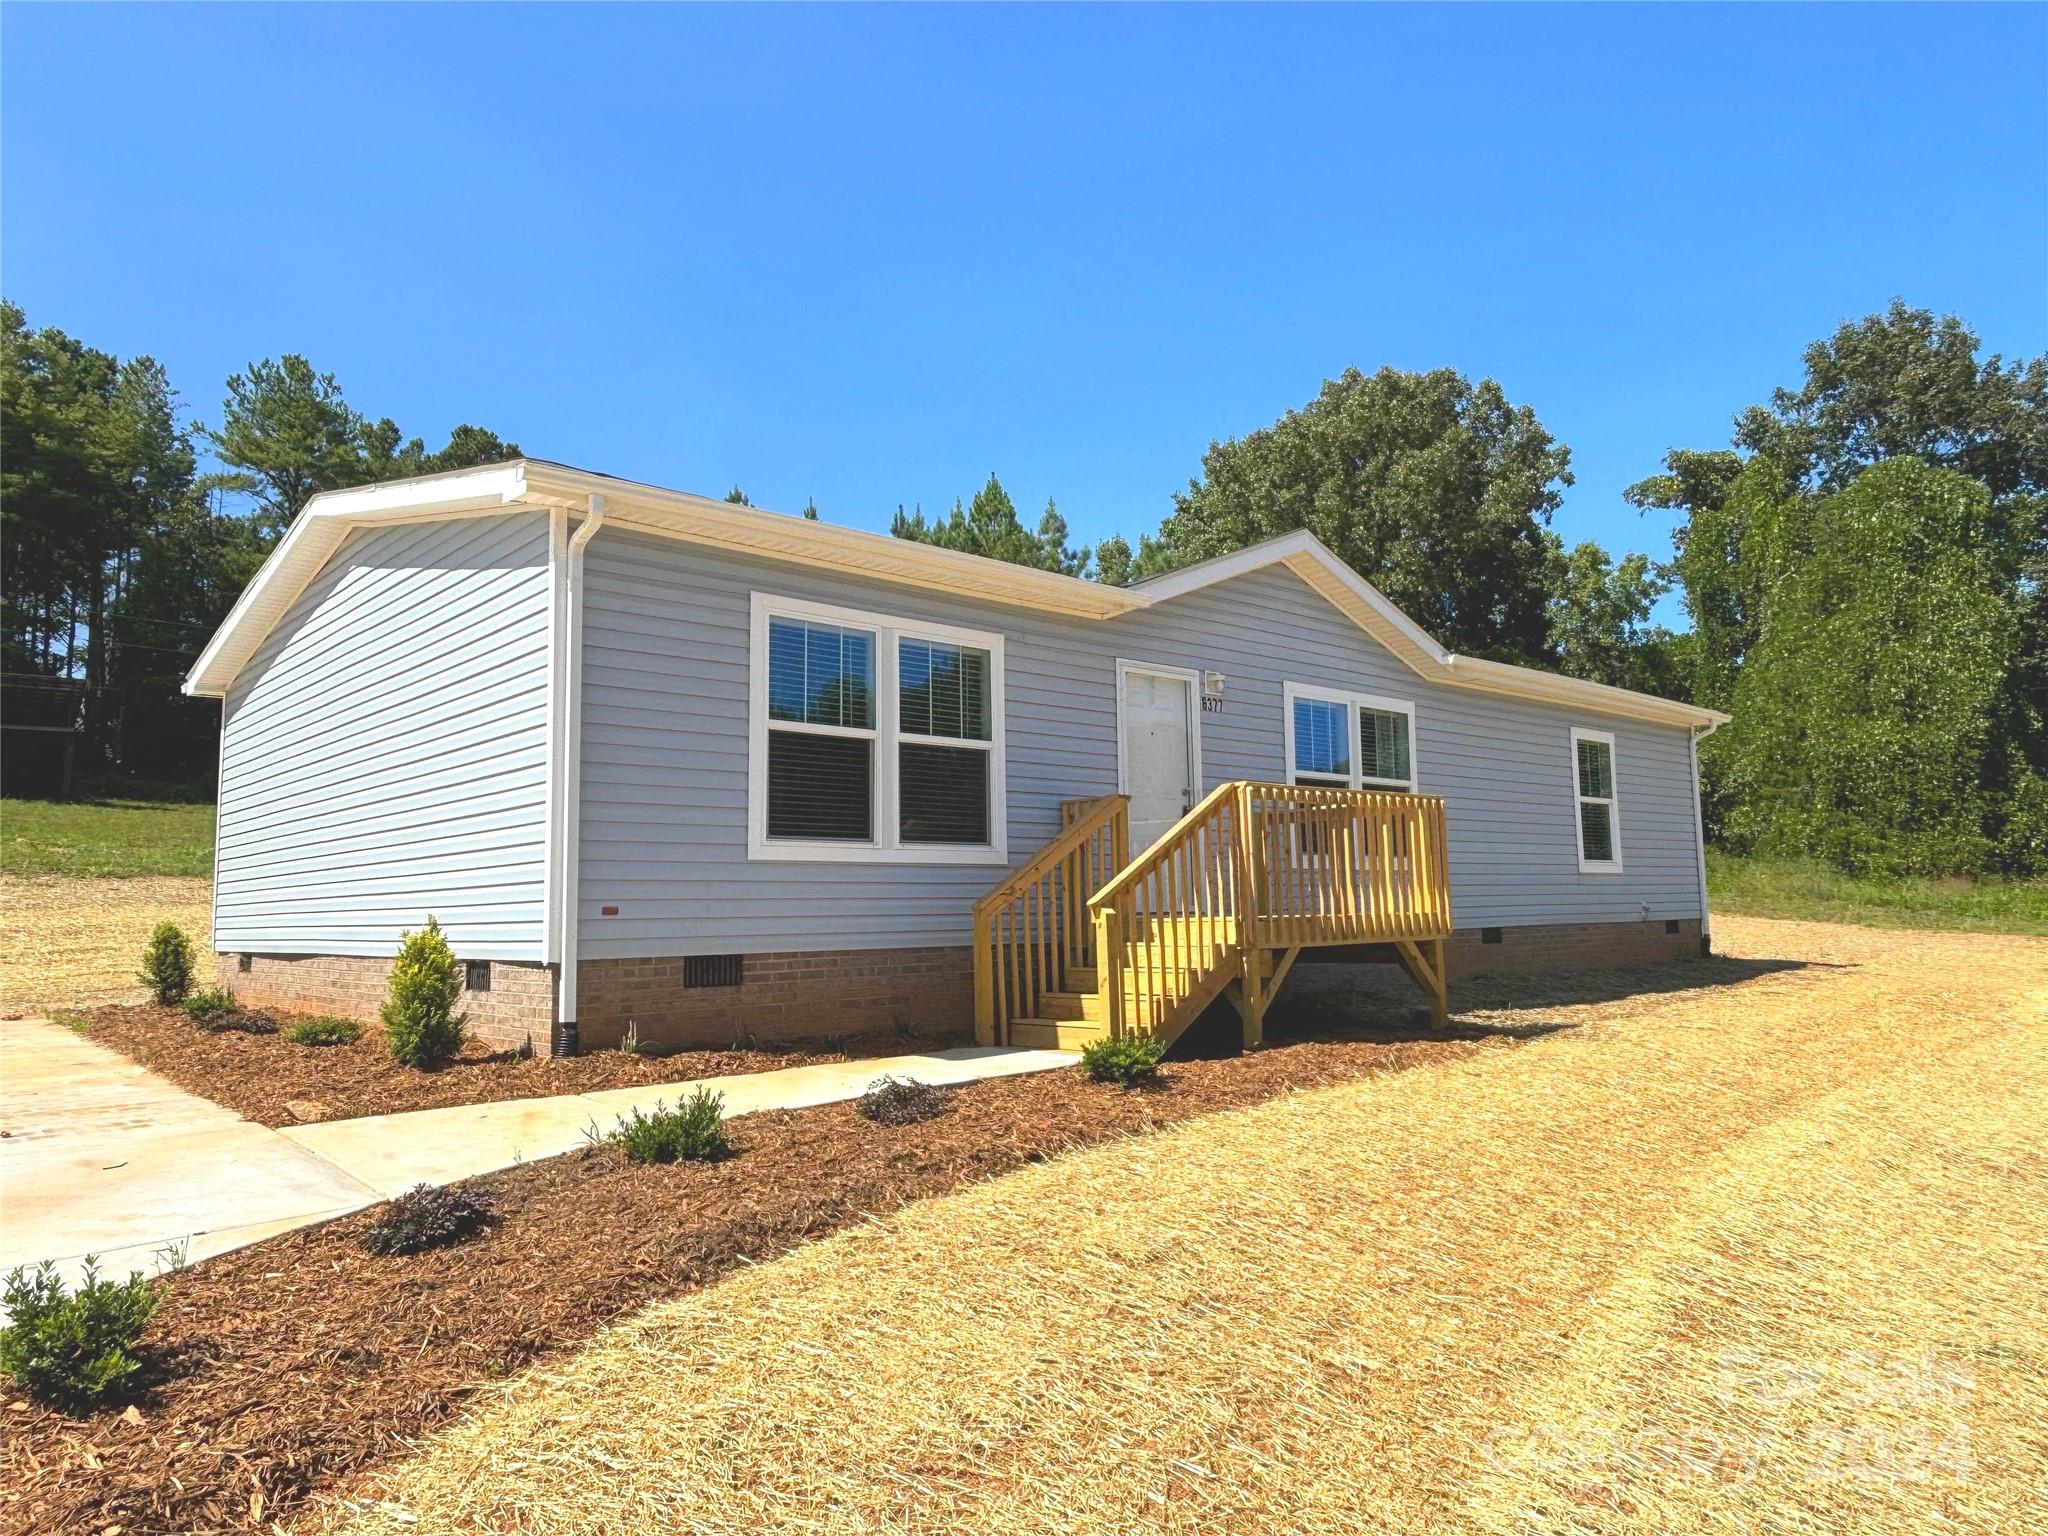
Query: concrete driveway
[99,1156]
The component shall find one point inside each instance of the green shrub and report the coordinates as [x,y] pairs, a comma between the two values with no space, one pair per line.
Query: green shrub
[900,1101]
[73,1349]
[428,1217]
[1127,1059]
[209,1003]
[420,1022]
[694,1132]
[167,964]
[324,1032]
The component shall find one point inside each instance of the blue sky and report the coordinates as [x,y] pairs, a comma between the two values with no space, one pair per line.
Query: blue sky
[868,255]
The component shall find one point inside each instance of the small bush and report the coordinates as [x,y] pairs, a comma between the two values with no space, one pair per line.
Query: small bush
[420,1022]
[73,1349]
[900,1101]
[694,1132]
[208,1006]
[324,1032]
[428,1217]
[1127,1059]
[167,964]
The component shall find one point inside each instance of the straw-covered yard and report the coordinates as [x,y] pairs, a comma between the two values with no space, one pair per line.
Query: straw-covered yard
[1762,1257]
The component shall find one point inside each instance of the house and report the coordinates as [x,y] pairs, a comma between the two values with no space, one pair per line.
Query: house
[651,757]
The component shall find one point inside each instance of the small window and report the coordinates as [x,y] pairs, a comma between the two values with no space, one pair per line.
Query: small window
[1599,816]
[1322,743]
[942,791]
[1348,740]
[245,962]
[1383,749]
[476,975]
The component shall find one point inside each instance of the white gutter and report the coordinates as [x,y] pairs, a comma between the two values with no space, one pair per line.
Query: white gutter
[1699,828]
[568,823]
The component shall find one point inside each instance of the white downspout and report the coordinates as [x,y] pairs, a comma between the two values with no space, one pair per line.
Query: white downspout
[1699,831]
[571,820]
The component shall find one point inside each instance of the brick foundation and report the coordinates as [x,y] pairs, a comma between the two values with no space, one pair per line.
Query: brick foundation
[520,1003]
[843,992]
[782,997]
[1570,947]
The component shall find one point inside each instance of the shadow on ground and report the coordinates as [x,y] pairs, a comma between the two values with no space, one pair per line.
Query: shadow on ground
[1378,1003]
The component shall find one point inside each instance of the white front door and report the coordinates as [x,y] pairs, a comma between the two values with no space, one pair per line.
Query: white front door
[1160,757]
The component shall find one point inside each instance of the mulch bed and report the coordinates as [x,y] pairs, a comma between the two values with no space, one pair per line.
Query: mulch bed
[287,1369]
[258,1073]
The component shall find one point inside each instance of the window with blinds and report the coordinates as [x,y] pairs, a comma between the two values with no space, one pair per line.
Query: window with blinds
[1322,743]
[876,735]
[1349,741]
[1599,812]
[821,737]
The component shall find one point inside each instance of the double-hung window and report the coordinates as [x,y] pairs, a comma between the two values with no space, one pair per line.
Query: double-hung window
[1599,814]
[1349,740]
[873,738]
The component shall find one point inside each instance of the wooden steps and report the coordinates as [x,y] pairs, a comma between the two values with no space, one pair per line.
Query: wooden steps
[1085,943]
[1054,1034]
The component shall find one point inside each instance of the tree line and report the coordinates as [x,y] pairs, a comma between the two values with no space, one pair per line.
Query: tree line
[1864,564]
[122,556]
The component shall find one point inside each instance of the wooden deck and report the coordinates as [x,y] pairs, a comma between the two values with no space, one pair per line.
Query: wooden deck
[1085,942]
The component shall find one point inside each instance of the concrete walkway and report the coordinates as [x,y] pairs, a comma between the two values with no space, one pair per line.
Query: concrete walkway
[392,1153]
[101,1156]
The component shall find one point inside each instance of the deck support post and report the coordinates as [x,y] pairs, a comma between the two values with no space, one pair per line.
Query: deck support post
[1254,1010]
[1428,971]
[984,981]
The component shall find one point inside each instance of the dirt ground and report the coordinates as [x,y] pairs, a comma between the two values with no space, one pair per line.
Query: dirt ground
[74,942]
[1762,1254]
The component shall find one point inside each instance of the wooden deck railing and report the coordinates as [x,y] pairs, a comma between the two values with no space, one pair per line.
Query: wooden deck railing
[1033,931]
[1346,866]
[1258,867]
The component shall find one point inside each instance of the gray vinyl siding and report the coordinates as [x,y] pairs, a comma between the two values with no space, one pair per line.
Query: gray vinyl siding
[384,753]
[664,758]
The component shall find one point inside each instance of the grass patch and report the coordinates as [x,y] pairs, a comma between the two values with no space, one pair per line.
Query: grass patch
[118,839]
[1811,892]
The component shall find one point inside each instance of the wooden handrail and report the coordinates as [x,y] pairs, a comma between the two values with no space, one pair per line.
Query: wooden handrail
[1264,867]
[1031,933]
[1151,857]
[1078,829]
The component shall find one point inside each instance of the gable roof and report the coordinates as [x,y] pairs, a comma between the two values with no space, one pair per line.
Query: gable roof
[529,484]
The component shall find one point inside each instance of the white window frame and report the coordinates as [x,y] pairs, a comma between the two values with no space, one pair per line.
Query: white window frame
[1353,703]
[887,846]
[1612,802]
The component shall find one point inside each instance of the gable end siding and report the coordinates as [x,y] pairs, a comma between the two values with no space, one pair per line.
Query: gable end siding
[384,752]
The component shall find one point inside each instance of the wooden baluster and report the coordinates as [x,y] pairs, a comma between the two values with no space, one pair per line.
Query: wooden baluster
[1048,938]
[1386,872]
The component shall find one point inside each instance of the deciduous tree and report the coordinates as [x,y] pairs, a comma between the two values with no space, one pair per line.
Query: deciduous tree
[1435,489]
